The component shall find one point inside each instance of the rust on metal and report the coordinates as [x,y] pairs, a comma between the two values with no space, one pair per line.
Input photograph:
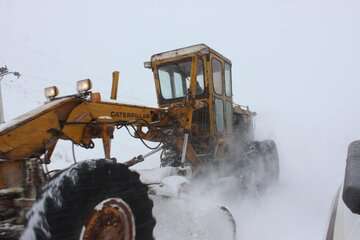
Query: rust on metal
[113,221]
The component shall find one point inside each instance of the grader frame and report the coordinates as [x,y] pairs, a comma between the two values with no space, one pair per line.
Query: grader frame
[83,117]
[194,122]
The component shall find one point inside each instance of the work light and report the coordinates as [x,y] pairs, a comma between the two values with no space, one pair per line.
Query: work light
[83,85]
[51,92]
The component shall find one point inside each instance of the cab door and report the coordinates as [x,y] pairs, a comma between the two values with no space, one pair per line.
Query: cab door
[221,79]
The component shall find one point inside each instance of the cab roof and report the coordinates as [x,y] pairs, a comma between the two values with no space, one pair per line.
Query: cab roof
[199,48]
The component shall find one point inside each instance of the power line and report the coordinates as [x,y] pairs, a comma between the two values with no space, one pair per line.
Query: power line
[3,72]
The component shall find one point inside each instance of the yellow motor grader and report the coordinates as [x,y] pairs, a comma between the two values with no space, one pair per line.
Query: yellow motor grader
[196,125]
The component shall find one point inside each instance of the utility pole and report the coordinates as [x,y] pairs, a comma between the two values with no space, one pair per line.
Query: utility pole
[3,72]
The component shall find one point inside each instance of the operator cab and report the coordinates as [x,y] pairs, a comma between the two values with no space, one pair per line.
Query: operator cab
[173,71]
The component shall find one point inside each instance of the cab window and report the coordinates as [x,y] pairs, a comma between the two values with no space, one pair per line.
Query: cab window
[228,86]
[219,112]
[228,116]
[165,83]
[200,84]
[175,79]
[178,85]
[217,76]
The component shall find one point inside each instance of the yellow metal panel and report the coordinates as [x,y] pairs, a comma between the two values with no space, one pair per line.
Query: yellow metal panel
[75,130]
[88,112]
[30,138]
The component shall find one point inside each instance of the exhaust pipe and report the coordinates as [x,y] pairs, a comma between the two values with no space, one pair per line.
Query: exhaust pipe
[115,84]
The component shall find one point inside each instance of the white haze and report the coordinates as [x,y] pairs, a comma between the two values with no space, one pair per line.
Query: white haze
[295,62]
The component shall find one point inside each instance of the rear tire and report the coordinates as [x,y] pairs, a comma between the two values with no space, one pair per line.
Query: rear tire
[271,160]
[69,200]
[261,165]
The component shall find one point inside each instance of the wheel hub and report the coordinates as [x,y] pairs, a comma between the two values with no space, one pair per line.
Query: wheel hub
[111,219]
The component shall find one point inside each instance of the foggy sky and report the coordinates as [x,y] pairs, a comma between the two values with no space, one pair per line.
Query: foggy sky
[295,62]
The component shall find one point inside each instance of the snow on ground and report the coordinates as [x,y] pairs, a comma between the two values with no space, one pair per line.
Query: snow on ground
[190,219]
[286,211]
[294,62]
[283,213]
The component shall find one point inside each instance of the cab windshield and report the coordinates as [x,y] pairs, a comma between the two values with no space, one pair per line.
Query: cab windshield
[175,79]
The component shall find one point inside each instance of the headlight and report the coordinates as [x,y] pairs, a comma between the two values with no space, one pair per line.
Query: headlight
[51,92]
[83,85]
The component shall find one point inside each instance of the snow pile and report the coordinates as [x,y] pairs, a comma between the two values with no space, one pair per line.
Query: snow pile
[155,175]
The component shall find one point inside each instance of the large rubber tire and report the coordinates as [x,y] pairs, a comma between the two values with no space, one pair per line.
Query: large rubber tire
[249,166]
[260,165]
[67,201]
[271,161]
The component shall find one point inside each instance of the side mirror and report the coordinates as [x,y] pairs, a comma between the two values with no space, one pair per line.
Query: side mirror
[351,191]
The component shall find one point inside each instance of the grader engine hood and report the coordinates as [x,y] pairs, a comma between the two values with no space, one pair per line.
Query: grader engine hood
[27,135]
